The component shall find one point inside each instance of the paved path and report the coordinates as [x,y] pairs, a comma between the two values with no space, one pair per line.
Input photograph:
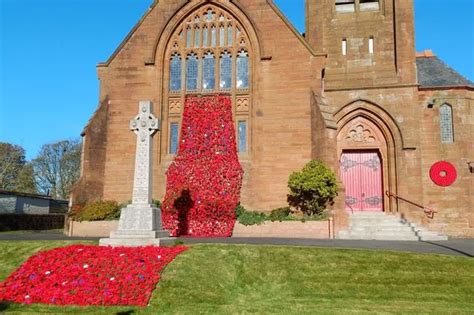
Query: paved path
[456,247]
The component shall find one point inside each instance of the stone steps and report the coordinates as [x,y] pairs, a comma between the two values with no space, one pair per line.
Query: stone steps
[381,226]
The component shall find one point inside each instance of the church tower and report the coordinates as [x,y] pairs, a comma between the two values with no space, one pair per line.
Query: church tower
[369,43]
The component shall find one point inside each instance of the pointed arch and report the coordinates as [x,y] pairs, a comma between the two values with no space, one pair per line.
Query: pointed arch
[365,125]
[181,14]
[374,112]
[217,57]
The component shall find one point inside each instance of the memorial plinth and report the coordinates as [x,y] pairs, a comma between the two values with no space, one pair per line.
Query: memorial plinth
[140,223]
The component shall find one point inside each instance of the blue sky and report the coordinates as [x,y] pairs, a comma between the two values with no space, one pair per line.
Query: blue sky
[49,50]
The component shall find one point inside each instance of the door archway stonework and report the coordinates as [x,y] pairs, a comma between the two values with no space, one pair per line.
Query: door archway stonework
[362,132]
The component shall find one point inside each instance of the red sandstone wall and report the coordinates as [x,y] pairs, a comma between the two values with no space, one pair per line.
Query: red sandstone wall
[281,113]
[455,204]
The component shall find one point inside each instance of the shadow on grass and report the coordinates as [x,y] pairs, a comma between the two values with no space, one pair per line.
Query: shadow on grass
[126,312]
[4,306]
[450,248]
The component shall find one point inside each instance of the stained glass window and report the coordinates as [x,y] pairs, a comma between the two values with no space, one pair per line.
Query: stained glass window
[446,124]
[208,72]
[174,137]
[205,35]
[192,68]
[210,29]
[230,33]
[210,53]
[175,73]
[242,136]
[242,70]
[213,36]
[197,37]
[226,71]
[209,15]
[189,35]
[221,36]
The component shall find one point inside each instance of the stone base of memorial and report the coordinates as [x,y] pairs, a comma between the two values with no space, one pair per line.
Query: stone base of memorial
[139,226]
[140,223]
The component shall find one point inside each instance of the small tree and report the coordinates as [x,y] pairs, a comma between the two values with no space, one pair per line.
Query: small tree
[16,174]
[313,188]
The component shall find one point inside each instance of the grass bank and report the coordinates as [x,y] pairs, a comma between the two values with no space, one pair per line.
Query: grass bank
[229,279]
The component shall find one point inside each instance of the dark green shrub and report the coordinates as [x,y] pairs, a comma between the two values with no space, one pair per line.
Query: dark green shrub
[249,217]
[156,203]
[99,210]
[313,188]
[252,218]
[239,210]
[280,214]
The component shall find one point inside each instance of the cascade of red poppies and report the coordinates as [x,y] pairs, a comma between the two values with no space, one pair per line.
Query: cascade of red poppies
[204,181]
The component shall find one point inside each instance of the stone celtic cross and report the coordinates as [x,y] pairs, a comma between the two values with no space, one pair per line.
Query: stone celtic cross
[145,124]
[140,223]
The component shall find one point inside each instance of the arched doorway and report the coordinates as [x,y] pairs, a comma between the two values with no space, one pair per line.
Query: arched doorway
[363,166]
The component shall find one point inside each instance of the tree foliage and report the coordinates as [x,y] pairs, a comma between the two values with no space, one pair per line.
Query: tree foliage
[313,188]
[57,168]
[15,173]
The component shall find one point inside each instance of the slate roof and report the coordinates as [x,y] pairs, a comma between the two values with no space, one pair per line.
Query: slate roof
[433,72]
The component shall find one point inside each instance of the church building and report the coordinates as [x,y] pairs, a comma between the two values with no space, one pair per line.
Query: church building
[397,127]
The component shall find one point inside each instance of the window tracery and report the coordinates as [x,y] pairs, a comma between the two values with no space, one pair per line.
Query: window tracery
[210,30]
[209,53]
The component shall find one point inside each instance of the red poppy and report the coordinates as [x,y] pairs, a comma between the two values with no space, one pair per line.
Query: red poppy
[204,181]
[89,275]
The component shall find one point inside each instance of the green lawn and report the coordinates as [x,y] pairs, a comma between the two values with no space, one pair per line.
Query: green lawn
[228,279]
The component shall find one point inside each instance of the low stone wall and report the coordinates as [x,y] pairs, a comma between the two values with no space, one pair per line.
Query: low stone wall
[91,229]
[286,229]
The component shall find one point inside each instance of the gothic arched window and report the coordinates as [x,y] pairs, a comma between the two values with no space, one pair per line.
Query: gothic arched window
[215,31]
[242,70]
[209,52]
[208,72]
[446,123]
[175,73]
[197,37]
[226,71]
[192,69]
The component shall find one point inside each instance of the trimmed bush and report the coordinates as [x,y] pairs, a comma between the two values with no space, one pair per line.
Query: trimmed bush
[252,218]
[31,222]
[313,188]
[98,211]
[281,214]
[245,217]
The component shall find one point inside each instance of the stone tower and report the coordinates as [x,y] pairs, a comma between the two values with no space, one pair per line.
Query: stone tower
[368,42]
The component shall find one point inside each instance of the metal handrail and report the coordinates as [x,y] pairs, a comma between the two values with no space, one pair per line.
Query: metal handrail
[350,207]
[428,211]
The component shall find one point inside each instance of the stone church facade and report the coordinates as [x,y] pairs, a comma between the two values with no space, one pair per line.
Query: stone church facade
[351,91]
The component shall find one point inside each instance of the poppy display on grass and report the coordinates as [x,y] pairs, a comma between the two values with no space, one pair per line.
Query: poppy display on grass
[204,180]
[89,276]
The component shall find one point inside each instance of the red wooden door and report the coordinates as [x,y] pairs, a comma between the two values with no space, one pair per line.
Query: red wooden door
[361,173]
